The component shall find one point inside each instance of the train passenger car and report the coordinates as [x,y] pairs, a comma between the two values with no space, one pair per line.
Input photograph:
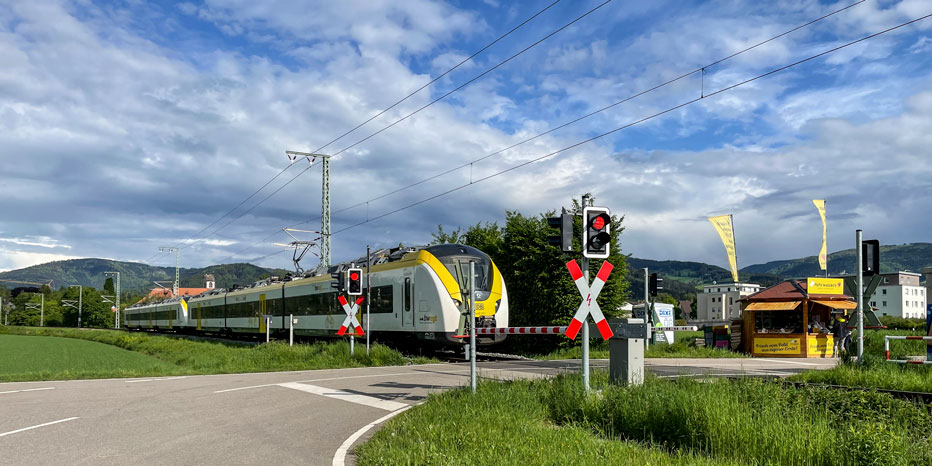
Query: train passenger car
[417,293]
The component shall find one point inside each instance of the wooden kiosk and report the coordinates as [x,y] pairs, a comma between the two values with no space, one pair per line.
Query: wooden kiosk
[786,321]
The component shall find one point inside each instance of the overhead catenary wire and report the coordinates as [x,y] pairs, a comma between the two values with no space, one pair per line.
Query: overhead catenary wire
[633,123]
[195,238]
[700,69]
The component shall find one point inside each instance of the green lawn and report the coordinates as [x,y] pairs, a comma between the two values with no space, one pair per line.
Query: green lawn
[181,356]
[662,422]
[42,358]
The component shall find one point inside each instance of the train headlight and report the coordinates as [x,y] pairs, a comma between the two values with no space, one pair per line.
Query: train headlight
[498,302]
[457,302]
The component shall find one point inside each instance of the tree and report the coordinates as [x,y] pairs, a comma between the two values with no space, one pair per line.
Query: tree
[540,289]
[108,287]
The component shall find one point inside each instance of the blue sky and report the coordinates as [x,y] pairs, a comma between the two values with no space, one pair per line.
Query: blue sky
[125,126]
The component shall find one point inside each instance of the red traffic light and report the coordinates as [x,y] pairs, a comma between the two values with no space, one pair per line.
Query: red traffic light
[598,223]
[354,276]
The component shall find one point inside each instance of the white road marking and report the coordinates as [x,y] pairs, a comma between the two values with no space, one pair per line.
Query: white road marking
[348,377]
[366,400]
[339,458]
[36,427]
[28,390]
[157,380]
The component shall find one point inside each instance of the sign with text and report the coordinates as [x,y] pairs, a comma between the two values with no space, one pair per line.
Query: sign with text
[777,346]
[825,285]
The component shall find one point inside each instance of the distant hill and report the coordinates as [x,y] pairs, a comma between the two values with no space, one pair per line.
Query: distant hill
[133,275]
[907,257]
[683,278]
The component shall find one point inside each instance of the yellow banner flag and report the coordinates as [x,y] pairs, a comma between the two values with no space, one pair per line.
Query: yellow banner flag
[724,227]
[823,253]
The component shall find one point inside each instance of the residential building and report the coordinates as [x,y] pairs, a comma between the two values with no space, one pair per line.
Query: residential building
[900,295]
[722,301]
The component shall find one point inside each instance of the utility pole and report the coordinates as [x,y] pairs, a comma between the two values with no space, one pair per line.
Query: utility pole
[175,285]
[41,309]
[585,325]
[324,204]
[647,328]
[80,302]
[116,317]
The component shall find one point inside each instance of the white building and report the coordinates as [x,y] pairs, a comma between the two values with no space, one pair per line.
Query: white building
[722,302]
[900,295]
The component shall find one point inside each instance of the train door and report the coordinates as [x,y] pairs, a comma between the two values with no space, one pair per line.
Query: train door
[407,301]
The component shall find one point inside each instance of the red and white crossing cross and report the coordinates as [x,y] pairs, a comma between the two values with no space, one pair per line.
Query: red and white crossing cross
[350,319]
[589,304]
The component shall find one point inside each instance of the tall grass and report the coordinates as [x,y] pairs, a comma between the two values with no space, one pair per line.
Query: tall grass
[682,347]
[661,422]
[873,371]
[204,357]
[752,421]
[503,424]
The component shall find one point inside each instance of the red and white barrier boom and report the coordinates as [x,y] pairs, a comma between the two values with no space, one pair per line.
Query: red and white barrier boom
[350,319]
[886,348]
[521,331]
[589,304]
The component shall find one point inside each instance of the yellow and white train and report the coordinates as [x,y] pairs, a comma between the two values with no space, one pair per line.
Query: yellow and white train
[415,293]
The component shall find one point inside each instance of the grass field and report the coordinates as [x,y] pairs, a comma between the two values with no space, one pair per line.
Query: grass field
[662,422]
[42,358]
[180,356]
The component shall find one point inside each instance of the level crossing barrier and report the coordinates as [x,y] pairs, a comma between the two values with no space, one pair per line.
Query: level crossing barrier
[522,331]
[886,348]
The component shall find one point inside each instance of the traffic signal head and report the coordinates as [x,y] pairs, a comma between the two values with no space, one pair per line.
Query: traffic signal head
[338,281]
[870,257]
[565,224]
[655,284]
[354,281]
[597,225]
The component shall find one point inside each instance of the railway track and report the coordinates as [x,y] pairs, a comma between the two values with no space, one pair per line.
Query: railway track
[922,397]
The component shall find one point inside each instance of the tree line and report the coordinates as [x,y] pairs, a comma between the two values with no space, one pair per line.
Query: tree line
[95,311]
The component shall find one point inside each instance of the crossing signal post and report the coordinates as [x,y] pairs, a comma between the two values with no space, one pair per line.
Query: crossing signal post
[656,284]
[597,225]
[354,282]
[565,224]
[870,264]
[338,281]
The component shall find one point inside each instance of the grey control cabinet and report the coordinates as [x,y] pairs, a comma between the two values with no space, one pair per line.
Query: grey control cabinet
[626,351]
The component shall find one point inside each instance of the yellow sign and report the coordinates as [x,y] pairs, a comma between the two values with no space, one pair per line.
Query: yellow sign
[726,231]
[822,346]
[777,346]
[825,285]
[823,253]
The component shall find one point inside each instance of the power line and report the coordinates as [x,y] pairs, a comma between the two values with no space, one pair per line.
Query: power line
[483,49]
[498,39]
[583,117]
[655,115]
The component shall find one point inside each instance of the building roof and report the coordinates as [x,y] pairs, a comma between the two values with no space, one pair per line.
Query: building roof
[786,291]
[165,293]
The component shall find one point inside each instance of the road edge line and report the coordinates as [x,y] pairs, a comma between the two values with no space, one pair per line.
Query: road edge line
[339,458]
[37,426]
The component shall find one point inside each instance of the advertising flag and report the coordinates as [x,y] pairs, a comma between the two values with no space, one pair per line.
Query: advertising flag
[823,253]
[723,226]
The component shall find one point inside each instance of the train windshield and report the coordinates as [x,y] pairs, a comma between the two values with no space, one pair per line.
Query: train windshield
[456,259]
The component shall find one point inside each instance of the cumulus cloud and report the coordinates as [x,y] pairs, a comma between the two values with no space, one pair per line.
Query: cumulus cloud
[125,128]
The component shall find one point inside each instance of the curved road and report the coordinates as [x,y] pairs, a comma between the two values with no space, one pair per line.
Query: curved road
[275,418]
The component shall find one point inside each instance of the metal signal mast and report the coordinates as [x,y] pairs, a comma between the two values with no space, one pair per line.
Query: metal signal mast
[174,285]
[324,203]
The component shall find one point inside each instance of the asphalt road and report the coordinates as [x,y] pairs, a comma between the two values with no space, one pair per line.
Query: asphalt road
[306,417]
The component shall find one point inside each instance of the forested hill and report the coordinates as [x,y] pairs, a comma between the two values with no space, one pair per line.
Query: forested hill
[907,257]
[133,275]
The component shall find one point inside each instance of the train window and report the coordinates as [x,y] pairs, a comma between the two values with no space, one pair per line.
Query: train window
[382,300]
[407,294]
